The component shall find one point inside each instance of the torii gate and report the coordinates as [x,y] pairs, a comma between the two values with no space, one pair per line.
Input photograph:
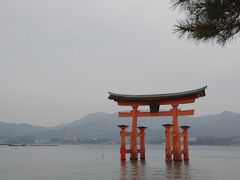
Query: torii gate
[173,134]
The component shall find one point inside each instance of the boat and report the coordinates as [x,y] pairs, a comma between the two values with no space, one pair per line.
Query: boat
[16,144]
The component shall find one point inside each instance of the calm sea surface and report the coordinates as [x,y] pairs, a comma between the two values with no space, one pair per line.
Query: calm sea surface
[83,162]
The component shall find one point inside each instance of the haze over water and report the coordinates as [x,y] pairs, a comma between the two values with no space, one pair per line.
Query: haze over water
[76,162]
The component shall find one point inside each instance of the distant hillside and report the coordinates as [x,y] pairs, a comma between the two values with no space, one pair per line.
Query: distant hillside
[12,129]
[225,124]
[104,125]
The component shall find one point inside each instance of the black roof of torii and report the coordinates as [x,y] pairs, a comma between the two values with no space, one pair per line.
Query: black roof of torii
[152,97]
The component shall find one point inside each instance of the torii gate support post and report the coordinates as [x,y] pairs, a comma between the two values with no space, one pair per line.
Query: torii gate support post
[168,146]
[123,142]
[133,145]
[142,142]
[185,142]
[176,136]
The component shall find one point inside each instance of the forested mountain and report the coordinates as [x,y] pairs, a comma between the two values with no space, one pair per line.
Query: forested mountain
[104,125]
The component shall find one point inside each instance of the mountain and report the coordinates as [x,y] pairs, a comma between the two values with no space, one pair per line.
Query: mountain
[104,125]
[225,124]
[90,126]
[12,129]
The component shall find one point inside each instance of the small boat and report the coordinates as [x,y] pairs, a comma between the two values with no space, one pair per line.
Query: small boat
[33,145]
[16,144]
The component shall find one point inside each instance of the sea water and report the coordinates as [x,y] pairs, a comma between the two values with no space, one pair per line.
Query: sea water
[101,162]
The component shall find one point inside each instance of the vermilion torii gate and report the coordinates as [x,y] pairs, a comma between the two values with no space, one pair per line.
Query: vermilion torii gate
[173,134]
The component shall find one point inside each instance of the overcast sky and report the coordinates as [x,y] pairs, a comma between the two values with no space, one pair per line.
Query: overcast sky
[59,59]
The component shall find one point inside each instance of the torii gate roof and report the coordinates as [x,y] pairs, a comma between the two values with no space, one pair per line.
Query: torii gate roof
[158,98]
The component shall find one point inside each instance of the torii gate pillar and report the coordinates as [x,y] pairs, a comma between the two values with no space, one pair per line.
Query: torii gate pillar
[185,142]
[168,148]
[123,142]
[176,136]
[133,145]
[142,142]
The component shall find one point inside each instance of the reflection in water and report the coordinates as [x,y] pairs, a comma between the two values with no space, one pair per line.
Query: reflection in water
[60,163]
[132,170]
[177,170]
[139,170]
